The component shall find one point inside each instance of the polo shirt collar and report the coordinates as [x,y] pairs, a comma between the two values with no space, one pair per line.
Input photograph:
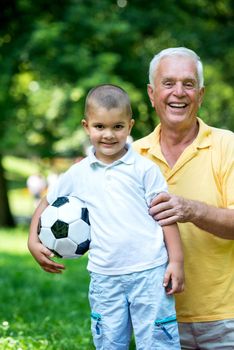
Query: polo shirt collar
[151,143]
[203,139]
[128,157]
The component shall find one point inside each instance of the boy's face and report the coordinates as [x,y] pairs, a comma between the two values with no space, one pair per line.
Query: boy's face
[108,131]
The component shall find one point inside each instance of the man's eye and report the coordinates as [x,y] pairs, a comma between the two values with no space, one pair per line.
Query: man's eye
[189,85]
[98,126]
[168,84]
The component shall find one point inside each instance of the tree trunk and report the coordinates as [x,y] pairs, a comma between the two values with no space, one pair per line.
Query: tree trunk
[6,218]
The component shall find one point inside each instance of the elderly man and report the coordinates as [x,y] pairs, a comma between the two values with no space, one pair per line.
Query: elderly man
[198,164]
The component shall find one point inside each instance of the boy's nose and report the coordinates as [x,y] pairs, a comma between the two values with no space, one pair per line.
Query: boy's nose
[108,133]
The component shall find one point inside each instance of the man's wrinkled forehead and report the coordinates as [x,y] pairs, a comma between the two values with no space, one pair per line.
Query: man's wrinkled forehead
[170,67]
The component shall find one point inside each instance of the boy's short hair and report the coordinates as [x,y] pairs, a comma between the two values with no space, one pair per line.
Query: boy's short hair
[108,96]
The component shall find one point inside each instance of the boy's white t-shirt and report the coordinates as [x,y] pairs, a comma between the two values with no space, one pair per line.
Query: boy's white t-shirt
[124,237]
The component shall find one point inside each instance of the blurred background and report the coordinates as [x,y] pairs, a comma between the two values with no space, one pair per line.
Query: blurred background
[53,52]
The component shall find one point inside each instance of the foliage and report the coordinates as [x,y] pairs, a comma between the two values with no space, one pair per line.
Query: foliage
[56,53]
[53,53]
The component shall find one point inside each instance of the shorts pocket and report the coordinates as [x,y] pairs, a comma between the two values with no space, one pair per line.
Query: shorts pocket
[166,333]
[96,328]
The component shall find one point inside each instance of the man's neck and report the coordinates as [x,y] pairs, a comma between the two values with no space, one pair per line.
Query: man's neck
[173,142]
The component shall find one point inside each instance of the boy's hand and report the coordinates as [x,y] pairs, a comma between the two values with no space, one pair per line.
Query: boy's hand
[43,256]
[174,278]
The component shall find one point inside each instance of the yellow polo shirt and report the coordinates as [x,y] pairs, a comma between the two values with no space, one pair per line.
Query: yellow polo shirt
[204,172]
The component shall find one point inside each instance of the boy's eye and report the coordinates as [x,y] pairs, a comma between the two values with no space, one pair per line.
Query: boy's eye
[119,126]
[98,126]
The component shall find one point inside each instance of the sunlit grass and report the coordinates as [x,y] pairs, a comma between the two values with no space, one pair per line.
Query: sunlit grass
[21,202]
[40,310]
[19,166]
[14,241]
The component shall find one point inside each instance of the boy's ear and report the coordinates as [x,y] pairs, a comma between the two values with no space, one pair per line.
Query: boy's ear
[85,125]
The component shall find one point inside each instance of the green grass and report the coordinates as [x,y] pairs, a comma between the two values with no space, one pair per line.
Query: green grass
[39,310]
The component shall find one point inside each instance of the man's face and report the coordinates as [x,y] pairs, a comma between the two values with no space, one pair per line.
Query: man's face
[176,95]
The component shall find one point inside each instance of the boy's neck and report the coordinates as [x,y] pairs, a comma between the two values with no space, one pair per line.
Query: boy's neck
[111,159]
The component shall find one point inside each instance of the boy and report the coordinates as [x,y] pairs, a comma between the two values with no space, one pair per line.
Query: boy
[127,258]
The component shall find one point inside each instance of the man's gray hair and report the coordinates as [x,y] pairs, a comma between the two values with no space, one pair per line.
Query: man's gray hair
[176,51]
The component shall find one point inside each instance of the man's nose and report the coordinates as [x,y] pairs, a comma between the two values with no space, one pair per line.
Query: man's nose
[179,89]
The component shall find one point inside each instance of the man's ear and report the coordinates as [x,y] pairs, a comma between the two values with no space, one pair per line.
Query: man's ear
[201,94]
[131,123]
[150,91]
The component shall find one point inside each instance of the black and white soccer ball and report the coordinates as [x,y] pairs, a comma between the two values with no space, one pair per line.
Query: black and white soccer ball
[64,227]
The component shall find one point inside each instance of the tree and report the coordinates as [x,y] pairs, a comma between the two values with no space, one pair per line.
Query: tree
[52,53]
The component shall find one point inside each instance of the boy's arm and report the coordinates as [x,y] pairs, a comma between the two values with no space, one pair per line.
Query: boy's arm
[175,270]
[41,254]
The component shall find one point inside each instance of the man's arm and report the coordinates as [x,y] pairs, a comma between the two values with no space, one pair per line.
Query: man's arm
[41,254]
[167,209]
[175,269]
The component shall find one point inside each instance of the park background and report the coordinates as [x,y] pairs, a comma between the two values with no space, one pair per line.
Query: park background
[51,54]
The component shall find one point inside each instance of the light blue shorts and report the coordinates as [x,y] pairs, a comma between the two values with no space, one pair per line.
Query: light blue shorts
[134,301]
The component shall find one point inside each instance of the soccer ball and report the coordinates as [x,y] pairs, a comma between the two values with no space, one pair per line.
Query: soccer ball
[64,227]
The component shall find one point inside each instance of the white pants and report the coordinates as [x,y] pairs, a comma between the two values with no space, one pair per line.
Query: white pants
[134,301]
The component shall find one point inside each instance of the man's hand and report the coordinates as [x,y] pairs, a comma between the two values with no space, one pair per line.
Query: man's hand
[167,209]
